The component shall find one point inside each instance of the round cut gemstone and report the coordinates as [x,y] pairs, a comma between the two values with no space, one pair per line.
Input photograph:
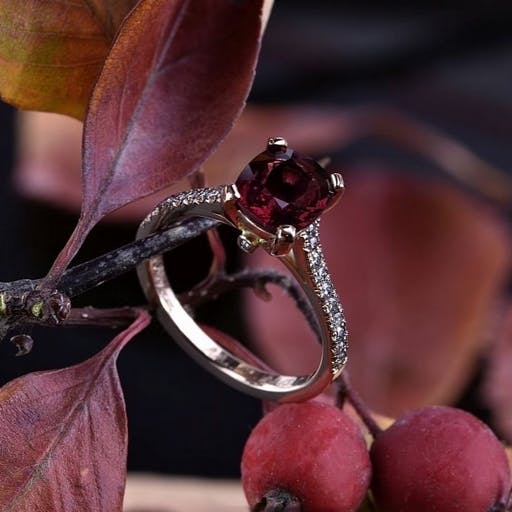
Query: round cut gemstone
[282,187]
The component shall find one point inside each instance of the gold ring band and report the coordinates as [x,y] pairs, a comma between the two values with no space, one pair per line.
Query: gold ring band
[303,256]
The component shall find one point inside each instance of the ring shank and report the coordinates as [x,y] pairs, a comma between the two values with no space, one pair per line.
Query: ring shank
[205,350]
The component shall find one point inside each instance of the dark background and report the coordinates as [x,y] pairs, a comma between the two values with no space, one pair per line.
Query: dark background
[450,66]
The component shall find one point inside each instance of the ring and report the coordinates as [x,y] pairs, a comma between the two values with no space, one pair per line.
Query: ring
[275,204]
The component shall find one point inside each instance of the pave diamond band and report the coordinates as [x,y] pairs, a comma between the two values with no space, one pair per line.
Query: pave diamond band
[305,260]
[326,293]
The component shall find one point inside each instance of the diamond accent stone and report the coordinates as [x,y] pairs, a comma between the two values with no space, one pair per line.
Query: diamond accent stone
[195,197]
[329,301]
[245,244]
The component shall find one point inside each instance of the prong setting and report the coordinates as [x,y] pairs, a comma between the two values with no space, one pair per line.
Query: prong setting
[284,239]
[230,196]
[277,144]
[336,183]
[231,193]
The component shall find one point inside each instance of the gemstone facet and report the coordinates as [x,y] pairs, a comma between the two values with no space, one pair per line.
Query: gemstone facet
[282,187]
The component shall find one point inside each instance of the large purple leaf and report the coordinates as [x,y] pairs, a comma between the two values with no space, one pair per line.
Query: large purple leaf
[171,88]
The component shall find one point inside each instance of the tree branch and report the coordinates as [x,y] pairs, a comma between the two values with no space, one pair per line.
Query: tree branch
[81,278]
[21,302]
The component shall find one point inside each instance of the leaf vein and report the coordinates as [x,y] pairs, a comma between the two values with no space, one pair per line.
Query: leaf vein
[61,434]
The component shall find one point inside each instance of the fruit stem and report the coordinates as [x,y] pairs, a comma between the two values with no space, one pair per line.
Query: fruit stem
[346,391]
[278,500]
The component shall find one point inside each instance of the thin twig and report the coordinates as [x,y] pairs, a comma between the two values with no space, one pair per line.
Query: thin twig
[256,279]
[21,302]
[81,278]
[77,280]
[347,391]
[20,299]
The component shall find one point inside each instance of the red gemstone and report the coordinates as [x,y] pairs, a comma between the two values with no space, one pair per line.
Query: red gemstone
[282,187]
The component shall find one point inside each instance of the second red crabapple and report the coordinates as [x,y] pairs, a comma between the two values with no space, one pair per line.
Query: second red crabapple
[439,459]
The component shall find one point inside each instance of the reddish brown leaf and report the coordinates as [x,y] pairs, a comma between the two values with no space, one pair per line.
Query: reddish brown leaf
[418,265]
[174,83]
[63,436]
[171,88]
[51,52]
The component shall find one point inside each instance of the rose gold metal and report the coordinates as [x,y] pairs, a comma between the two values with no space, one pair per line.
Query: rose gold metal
[336,183]
[294,250]
[283,241]
[277,143]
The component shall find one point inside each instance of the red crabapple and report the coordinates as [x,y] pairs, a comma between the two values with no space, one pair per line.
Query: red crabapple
[439,459]
[311,450]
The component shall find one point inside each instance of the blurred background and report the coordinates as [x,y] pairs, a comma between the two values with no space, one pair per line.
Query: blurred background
[413,104]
